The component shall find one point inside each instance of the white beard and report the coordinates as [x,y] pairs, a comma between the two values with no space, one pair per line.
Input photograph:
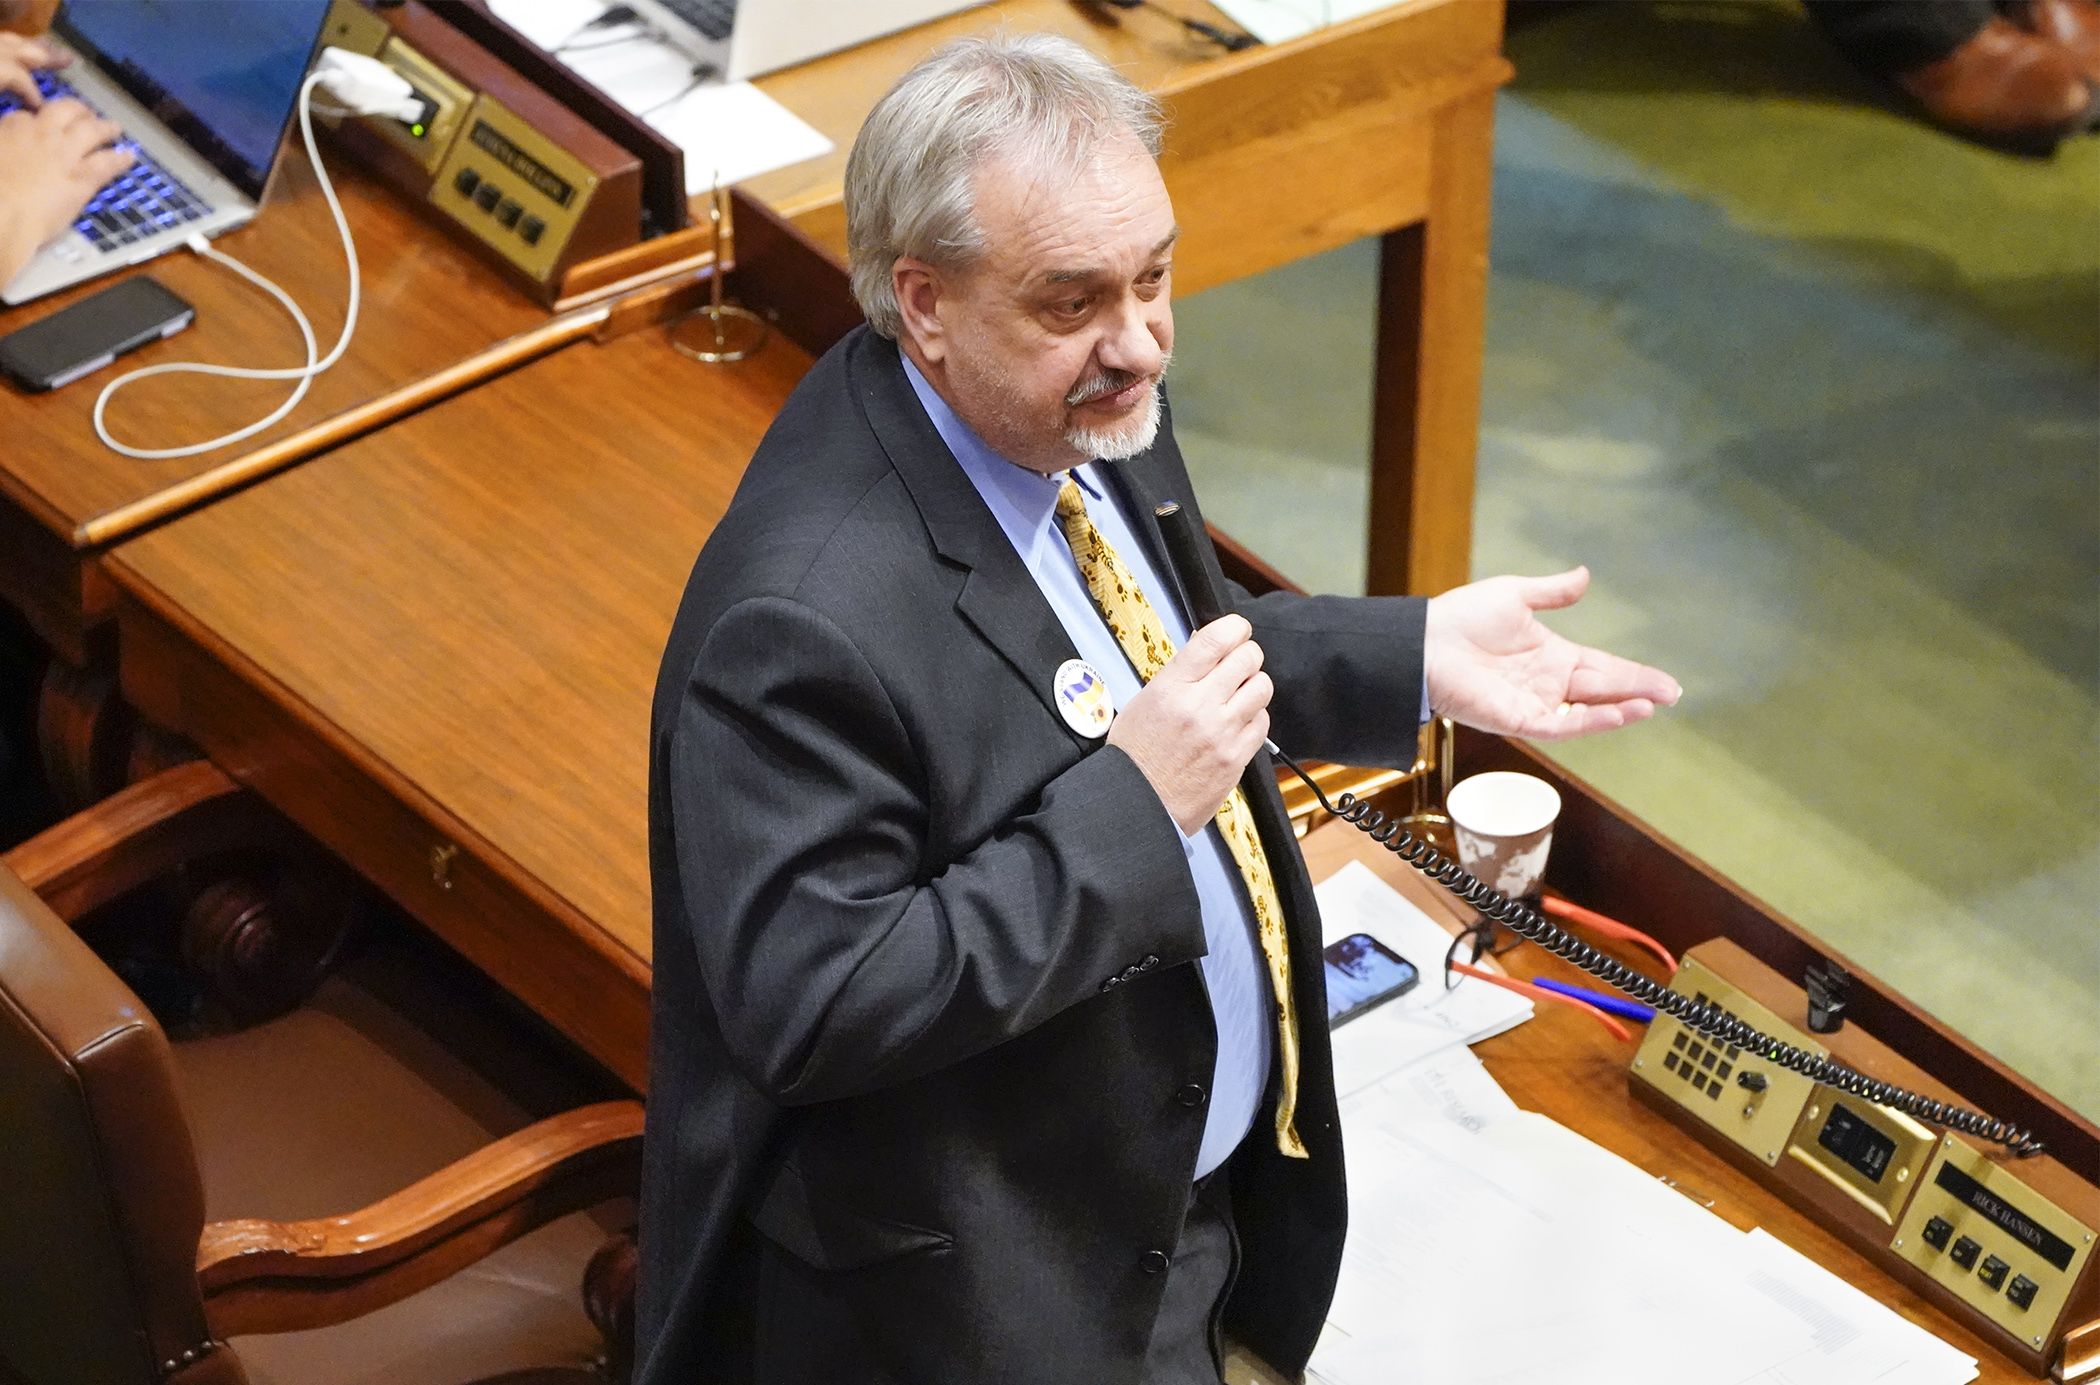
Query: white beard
[1123,443]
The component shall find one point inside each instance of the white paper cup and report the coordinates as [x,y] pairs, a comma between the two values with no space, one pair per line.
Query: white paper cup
[1504,825]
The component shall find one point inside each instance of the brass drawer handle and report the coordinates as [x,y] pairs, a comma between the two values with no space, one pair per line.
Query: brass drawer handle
[441,858]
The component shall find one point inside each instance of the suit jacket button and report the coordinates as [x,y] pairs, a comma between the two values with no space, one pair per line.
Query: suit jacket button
[1191,1095]
[1154,1261]
[1110,984]
[1149,963]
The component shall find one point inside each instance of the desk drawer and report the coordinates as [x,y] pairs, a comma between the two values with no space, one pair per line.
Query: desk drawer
[527,939]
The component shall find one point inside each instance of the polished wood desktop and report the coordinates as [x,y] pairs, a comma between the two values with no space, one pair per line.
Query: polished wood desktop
[434,650]
[435,647]
[1379,126]
[426,305]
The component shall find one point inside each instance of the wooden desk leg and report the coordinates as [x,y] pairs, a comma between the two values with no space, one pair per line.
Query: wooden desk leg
[1432,333]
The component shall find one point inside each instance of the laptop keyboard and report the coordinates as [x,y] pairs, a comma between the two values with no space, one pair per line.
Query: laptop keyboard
[714,18]
[144,200]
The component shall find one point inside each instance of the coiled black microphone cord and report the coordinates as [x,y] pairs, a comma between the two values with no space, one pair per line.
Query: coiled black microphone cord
[1709,1019]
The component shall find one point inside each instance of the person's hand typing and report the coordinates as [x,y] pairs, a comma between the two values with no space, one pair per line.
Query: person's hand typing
[1492,665]
[20,59]
[51,162]
[1195,726]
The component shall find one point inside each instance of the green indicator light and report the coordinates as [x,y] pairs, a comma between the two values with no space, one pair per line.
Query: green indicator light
[416,130]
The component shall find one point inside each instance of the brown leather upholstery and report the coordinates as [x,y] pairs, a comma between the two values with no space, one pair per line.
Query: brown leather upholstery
[101,1207]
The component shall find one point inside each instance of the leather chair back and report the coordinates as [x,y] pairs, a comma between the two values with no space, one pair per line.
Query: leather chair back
[101,1206]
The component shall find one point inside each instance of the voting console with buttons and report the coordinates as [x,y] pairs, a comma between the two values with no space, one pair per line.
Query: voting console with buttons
[2004,1243]
[498,161]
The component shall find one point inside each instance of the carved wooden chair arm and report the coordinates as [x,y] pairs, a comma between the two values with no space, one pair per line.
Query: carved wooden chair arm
[266,1276]
[136,834]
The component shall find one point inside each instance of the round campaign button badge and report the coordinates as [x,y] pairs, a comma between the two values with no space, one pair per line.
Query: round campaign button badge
[1082,697]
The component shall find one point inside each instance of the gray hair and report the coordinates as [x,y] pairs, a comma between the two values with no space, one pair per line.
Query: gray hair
[909,188]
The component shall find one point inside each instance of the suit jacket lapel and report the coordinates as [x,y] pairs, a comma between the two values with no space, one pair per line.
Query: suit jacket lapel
[999,596]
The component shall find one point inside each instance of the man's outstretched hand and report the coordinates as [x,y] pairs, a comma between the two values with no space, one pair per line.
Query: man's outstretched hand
[1492,665]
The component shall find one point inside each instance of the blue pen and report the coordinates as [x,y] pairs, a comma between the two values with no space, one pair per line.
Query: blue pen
[1609,1004]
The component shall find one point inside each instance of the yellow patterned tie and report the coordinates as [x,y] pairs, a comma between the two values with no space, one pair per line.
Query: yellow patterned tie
[1136,627]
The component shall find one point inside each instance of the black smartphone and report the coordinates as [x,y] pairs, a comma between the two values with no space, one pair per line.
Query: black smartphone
[87,336]
[1362,974]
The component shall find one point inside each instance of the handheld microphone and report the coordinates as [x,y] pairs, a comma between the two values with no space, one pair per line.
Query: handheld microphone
[1200,596]
[1199,593]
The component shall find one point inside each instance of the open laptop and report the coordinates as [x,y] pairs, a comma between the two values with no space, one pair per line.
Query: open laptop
[204,90]
[747,38]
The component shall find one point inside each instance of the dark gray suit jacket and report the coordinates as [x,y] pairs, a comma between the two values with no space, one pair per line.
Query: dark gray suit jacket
[924,1000]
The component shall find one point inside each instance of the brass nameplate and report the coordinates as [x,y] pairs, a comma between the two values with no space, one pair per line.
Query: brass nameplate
[1997,1244]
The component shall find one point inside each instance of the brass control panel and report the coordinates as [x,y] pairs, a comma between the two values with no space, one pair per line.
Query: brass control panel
[445,101]
[519,176]
[1752,1103]
[1868,1152]
[512,188]
[1976,1229]
[2003,1243]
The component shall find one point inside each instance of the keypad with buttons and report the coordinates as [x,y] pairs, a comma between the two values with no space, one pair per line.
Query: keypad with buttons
[1995,1243]
[508,211]
[1694,1070]
[1684,1067]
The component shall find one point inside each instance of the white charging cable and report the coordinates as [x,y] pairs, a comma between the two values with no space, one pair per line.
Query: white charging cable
[365,86]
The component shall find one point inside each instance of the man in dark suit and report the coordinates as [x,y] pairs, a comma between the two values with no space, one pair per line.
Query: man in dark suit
[989,1036]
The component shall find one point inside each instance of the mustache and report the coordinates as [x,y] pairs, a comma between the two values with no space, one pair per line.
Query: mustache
[1108,381]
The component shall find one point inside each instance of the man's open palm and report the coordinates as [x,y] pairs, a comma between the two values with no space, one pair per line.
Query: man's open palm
[1492,665]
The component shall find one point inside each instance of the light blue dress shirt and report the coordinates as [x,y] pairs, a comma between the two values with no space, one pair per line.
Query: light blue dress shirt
[1235,973]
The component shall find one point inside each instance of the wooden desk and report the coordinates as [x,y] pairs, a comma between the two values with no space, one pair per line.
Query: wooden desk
[434,650]
[427,304]
[1380,126]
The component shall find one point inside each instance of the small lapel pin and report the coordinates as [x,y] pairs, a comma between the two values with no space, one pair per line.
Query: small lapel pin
[1083,698]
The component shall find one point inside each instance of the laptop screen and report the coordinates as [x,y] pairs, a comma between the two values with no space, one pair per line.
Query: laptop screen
[223,76]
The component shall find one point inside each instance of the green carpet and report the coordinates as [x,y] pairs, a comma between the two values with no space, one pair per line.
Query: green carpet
[1815,391]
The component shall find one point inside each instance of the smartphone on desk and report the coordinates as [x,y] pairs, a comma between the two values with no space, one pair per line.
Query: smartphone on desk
[87,336]
[1362,974]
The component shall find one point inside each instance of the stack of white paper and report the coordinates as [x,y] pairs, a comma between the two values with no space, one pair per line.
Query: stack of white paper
[1856,1338]
[729,131]
[1425,1020]
[1489,1246]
